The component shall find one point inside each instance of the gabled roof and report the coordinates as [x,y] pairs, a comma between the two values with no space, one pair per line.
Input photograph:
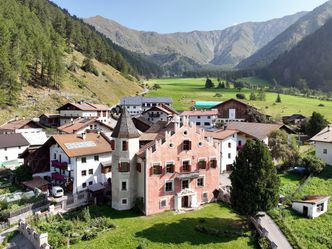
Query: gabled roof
[12,140]
[19,124]
[162,108]
[75,145]
[141,123]
[211,112]
[79,124]
[125,127]
[235,100]
[50,115]
[313,199]
[324,136]
[139,100]
[256,130]
[85,107]
[220,134]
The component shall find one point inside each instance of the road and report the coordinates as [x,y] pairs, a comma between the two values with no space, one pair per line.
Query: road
[274,233]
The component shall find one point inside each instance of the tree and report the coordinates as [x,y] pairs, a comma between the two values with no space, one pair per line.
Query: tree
[209,83]
[255,184]
[312,163]
[315,124]
[238,86]
[221,85]
[89,67]
[282,148]
[301,84]
[261,95]
[278,100]
[240,96]
[252,96]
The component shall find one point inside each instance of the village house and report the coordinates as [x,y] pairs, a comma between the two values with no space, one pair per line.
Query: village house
[85,125]
[227,147]
[177,170]
[138,104]
[79,161]
[259,131]
[11,146]
[71,111]
[50,120]
[141,123]
[323,145]
[233,110]
[311,206]
[294,119]
[21,126]
[203,118]
[161,112]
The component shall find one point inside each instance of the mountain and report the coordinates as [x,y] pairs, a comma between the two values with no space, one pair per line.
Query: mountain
[285,41]
[308,64]
[219,47]
[45,49]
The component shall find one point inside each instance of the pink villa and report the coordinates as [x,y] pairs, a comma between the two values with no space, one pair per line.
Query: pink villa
[177,169]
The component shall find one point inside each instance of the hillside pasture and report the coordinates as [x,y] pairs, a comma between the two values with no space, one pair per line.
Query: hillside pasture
[185,91]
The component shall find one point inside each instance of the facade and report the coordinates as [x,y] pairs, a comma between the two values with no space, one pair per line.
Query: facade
[203,118]
[179,169]
[323,145]
[228,140]
[85,125]
[135,105]
[311,206]
[160,113]
[11,146]
[71,111]
[79,161]
[50,120]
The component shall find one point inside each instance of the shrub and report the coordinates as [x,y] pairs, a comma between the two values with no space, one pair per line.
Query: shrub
[321,105]
[217,95]
[240,96]
[89,67]
[312,163]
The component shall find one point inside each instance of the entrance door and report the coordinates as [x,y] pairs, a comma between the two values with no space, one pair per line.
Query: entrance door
[185,201]
[231,114]
[305,210]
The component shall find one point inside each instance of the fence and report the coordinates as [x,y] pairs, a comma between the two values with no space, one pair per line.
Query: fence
[262,232]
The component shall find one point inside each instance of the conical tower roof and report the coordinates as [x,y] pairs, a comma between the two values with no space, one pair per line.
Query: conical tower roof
[125,127]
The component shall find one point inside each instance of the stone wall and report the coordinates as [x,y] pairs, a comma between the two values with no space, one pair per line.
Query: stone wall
[39,241]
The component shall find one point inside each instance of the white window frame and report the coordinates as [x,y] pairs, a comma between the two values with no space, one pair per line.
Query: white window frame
[207,198]
[182,184]
[127,185]
[169,162]
[122,204]
[161,200]
[202,176]
[167,181]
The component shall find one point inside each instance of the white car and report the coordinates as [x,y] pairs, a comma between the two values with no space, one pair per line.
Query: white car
[57,191]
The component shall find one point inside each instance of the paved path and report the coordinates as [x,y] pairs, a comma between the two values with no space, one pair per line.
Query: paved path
[4,233]
[274,233]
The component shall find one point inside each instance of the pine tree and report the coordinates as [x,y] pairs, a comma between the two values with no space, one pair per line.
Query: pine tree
[252,96]
[316,123]
[255,184]
[278,100]
[209,83]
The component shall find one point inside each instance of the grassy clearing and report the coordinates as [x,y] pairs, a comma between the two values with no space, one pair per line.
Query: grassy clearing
[311,233]
[290,181]
[185,91]
[169,230]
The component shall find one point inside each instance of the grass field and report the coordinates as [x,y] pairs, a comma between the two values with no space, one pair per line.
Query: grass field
[168,230]
[185,91]
[312,233]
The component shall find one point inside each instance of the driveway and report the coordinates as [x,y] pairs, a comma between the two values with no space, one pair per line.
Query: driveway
[274,233]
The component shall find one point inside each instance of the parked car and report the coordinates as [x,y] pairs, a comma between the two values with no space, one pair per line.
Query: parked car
[57,191]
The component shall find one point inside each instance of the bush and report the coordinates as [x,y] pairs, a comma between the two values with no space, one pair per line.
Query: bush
[321,105]
[142,245]
[217,95]
[23,173]
[312,163]
[89,67]
[240,96]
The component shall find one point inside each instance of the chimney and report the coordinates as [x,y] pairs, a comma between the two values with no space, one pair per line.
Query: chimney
[83,136]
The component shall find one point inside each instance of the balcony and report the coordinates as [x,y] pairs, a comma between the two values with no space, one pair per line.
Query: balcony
[57,164]
[57,176]
[187,174]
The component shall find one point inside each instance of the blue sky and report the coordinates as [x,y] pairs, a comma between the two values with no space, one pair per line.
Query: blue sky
[185,15]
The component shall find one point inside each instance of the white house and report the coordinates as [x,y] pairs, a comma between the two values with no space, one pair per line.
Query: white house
[228,147]
[323,144]
[85,125]
[71,111]
[160,113]
[311,206]
[137,104]
[80,161]
[203,118]
[11,146]
[25,126]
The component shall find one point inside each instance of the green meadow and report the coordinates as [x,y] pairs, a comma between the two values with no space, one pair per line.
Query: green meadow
[185,91]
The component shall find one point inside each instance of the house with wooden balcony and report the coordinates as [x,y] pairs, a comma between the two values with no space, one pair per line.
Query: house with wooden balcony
[79,161]
[178,169]
[161,112]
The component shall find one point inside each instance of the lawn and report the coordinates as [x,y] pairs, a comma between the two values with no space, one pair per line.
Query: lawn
[289,182]
[185,91]
[169,230]
[312,233]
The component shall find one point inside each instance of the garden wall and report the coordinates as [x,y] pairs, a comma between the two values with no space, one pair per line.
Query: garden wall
[39,241]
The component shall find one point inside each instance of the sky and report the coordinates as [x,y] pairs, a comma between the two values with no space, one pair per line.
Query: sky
[167,16]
